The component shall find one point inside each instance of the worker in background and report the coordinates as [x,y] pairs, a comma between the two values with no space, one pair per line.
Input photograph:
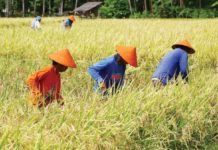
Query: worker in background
[45,84]
[36,23]
[68,23]
[110,72]
[173,64]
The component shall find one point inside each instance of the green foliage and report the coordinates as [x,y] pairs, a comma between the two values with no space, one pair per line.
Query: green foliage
[198,13]
[207,13]
[215,4]
[167,9]
[120,8]
[188,13]
[115,8]
[145,14]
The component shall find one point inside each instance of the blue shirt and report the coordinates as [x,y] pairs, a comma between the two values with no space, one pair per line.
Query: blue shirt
[108,71]
[68,23]
[173,64]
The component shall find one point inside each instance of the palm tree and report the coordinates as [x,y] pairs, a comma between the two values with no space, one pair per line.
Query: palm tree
[35,7]
[130,6]
[61,7]
[43,7]
[49,7]
[76,6]
[151,6]
[181,3]
[6,8]
[199,2]
[23,7]
[145,5]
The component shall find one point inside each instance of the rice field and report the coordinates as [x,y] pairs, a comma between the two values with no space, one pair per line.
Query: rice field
[139,116]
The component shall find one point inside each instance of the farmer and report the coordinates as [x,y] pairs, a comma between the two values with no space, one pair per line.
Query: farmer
[109,73]
[69,22]
[36,23]
[173,64]
[45,84]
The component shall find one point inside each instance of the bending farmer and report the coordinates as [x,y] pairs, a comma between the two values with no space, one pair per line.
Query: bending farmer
[69,22]
[173,64]
[110,71]
[45,84]
[36,23]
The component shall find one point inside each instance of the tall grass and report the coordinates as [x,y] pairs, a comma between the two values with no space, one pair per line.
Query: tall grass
[138,117]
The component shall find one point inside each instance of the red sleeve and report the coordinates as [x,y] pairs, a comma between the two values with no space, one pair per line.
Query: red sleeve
[58,93]
[33,80]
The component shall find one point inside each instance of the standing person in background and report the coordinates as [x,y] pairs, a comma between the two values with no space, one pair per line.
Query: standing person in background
[67,24]
[173,64]
[36,23]
[45,84]
[110,72]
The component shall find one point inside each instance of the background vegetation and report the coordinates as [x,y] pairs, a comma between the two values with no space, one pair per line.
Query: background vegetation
[114,8]
[139,117]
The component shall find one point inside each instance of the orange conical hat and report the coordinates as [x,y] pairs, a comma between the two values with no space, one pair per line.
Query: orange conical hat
[128,54]
[72,18]
[63,57]
[185,43]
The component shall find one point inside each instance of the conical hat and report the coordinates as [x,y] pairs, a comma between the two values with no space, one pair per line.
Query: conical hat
[72,18]
[128,54]
[185,43]
[63,57]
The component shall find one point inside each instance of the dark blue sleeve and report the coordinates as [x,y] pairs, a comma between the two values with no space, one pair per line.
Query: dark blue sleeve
[122,81]
[183,64]
[67,22]
[95,70]
[123,78]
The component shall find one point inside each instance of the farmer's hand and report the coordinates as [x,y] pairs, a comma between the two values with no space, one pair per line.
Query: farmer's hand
[103,87]
[48,99]
[36,98]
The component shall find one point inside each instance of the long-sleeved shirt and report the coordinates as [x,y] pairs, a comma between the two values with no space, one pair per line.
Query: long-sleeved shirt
[68,23]
[35,24]
[108,71]
[45,82]
[173,64]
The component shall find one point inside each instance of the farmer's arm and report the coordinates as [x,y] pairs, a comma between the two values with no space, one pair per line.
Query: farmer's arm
[58,94]
[183,64]
[37,24]
[123,77]
[33,81]
[95,69]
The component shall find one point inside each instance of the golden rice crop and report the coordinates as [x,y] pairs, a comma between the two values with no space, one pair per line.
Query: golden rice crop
[139,117]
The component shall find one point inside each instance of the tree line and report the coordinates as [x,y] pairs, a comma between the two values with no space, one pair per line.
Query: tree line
[160,8]
[36,7]
[113,8]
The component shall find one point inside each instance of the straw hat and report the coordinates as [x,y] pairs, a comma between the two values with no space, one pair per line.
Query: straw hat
[185,43]
[128,54]
[63,57]
[72,18]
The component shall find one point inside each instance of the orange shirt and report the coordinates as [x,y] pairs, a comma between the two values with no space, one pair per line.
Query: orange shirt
[45,82]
